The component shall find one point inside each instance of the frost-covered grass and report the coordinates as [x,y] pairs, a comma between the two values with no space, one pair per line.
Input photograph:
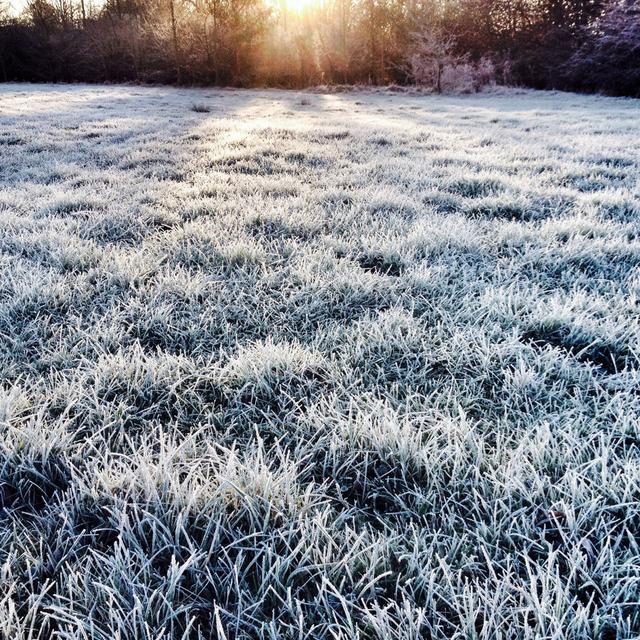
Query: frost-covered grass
[282,365]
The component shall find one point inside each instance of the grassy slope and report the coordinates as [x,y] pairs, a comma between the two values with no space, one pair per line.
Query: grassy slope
[301,365]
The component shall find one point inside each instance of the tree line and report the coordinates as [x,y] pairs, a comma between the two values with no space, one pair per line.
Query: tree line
[591,45]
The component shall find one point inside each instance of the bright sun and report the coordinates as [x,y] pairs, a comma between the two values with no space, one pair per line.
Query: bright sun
[300,6]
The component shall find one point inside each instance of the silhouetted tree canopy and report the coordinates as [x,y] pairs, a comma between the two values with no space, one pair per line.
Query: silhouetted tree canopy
[590,45]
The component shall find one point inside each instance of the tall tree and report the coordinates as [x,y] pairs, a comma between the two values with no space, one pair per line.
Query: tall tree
[609,60]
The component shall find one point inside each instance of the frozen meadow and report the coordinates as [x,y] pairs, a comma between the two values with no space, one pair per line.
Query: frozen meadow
[344,366]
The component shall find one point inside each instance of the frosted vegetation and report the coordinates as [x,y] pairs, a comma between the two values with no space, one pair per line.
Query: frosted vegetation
[281,365]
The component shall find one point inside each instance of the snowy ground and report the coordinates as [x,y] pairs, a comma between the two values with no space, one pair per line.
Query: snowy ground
[285,365]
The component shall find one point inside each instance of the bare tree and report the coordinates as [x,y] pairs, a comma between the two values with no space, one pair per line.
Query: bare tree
[176,46]
[5,18]
[609,59]
[432,51]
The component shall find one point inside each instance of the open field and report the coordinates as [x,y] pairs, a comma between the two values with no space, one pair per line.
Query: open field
[292,365]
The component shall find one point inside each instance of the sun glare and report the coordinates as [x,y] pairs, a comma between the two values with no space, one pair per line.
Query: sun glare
[300,6]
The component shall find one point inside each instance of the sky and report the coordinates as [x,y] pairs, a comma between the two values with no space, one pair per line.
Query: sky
[17,6]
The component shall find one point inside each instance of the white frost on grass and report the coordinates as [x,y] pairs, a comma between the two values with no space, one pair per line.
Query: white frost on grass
[335,366]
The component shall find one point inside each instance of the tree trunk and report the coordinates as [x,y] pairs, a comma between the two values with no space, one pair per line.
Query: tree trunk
[3,67]
[343,38]
[216,78]
[176,50]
